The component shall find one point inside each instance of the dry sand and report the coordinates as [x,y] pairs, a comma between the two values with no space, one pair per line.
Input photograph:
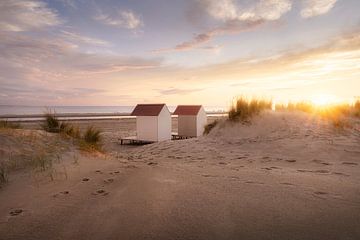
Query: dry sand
[286,176]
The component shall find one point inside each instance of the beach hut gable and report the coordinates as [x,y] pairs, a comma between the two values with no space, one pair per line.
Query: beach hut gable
[187,110]
[153,122]
[191,120]
[147,109]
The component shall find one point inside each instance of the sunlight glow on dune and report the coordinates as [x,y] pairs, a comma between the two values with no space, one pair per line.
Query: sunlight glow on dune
[323,99]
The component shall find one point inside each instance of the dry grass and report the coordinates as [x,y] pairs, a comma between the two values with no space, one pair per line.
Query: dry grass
[303,106]
[28,149]
[69,130]
[91,140]
[42,160]
[330,110]
[208,127]
[337,114]
[54,125]
[244,109]
[3,173]
[7,124]
[340,123]
[51,123]
[92,135]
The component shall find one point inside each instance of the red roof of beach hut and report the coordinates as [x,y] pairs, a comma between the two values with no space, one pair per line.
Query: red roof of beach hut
[147,109]
[187,110]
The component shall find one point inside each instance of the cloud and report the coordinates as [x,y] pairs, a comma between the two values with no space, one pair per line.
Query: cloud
[16,90]
[314,8]
[26,15]
[226,10]
[34,67]
[75,37]
[234,19]
[69,3]
[24,93]
[177,91]
[120,18]
[28,53]
[230,27]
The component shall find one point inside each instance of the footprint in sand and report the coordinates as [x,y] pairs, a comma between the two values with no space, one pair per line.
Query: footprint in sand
[109,180]
[208,175]
[16,212]
[253,182]
[152,163]
[321,162]
[267,168]
[101,192]
[321,171]
[130,166]
[290,160]
[275,167]
[61,193]
[349,163]
[340,174]
[98,171]
[85,179]
[320,193]
[288,184]
[316,171]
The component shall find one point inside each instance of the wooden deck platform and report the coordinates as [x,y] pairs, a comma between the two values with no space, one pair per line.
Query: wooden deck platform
[176,136]
[134,141]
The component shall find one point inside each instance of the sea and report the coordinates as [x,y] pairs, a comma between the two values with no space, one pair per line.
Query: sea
[19,112]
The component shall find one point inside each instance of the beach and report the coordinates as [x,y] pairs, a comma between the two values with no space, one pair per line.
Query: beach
[284,176]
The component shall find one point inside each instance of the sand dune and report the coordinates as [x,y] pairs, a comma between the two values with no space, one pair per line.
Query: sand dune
[285,176]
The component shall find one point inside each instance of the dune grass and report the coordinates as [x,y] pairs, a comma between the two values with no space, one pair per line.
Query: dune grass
[91,140]
[69,130]
[51,123]
[208,127]
[54,125]
[324,111]
[92,135]
[7,124]
[42,161]
[3,173]
[337,114]
[244,109]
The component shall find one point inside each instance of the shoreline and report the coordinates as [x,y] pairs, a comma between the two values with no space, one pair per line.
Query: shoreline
[81,116]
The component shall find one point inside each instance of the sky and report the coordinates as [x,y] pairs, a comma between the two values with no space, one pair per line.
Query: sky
[124,52]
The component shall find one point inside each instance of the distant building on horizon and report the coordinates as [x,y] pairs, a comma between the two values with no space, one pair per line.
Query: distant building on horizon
[191,120]
[153,122]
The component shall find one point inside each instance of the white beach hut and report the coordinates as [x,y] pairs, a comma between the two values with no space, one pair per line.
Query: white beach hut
[153,122]
[191,120]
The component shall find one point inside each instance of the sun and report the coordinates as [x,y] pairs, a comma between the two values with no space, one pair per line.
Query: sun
[323,99]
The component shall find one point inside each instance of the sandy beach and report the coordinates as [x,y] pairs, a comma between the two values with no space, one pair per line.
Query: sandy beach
[285,176]
[179,120]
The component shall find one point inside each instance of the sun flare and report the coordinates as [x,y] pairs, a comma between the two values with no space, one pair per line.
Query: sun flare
[323,99]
